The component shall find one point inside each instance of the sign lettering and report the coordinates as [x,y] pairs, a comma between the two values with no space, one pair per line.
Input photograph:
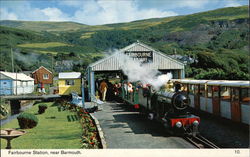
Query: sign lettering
[142,56]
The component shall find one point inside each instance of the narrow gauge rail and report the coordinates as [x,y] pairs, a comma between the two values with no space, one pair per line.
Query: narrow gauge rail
[200,142]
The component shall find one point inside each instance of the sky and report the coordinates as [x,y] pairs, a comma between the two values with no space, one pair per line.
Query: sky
[98,12]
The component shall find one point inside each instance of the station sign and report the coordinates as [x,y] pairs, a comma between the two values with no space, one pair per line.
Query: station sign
[142,56]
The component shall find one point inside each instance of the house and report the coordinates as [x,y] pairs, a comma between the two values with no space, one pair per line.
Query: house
[69,82]
[15,83]
[42,75]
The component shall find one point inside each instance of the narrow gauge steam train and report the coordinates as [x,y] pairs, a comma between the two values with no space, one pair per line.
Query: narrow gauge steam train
[170,108]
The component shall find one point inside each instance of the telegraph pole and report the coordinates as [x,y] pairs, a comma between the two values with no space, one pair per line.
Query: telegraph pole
[12,60]
[51,62]
[16,82]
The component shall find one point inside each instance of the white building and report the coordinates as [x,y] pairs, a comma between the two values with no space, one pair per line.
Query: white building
[15,83]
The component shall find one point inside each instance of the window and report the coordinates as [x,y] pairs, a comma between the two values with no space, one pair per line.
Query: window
[245,96]
[69,82]
[46,76]
[191,89]
[196,90]
[215,91]
[225,93]
[209,91]
[235,94]
[202,90]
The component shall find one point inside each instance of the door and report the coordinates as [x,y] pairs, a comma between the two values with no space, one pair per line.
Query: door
[235,104]
[197,96]
[216,100]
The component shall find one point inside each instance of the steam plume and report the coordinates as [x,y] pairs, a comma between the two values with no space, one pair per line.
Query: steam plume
[142,72]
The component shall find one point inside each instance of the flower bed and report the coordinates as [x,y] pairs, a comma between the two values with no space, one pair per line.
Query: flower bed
[90,137]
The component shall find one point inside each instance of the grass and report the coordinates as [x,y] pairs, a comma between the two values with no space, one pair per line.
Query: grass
[48,52]
[43,45]
[54,131]
[87,35]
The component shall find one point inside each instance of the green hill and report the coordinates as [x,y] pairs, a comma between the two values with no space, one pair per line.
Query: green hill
[40,26]
[217,39]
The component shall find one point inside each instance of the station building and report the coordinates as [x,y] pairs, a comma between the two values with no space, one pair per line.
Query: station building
[138,51]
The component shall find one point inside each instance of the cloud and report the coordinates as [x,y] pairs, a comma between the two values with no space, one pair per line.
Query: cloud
[196,4]
[103,12]
[22,10]
[5,14]
[90,12]
[54,14]
[232,4]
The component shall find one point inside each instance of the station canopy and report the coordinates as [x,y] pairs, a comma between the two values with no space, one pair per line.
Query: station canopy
[151,58]
[141,52]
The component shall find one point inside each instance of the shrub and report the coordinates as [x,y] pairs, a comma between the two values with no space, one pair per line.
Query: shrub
[42,108]
[27,120]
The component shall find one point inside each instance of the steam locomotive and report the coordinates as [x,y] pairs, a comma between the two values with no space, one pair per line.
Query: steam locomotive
[168,107]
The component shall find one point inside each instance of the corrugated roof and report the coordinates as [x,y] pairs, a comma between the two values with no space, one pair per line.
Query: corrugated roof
[160,61]
[236,83]
[17,76]
[69,75]
[230,83]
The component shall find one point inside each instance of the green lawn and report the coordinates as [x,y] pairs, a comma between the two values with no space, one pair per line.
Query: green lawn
[55,130]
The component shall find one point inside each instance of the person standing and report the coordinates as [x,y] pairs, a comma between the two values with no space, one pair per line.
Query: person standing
[43,89]
[39,88]
[103,89]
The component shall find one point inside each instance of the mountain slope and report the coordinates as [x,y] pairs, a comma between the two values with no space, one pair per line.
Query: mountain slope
[217,39]
[40,26]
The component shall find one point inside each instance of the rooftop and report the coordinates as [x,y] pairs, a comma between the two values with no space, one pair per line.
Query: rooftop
[17,76]
[69,75]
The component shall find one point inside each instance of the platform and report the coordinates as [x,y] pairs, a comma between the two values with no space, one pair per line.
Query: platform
[124,128]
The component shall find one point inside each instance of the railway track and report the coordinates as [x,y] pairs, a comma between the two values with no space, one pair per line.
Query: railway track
[200,142]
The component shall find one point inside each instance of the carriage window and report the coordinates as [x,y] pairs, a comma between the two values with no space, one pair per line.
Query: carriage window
[209,91]
[202,90]
[245,95]
[184,87]
[196,89]
[191,89]
[215,91]
[235,94]
[225,93]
